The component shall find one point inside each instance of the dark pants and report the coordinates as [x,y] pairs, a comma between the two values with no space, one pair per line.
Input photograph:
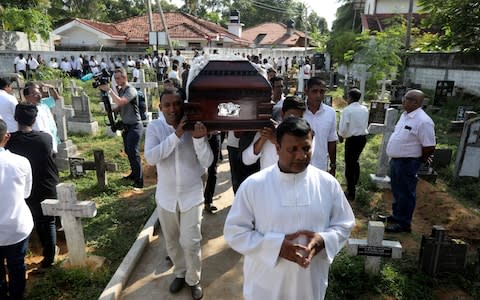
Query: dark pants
[403,174]
[235,162]
[46,230]
[131,141]
[353,148]
[14,255]
[214,142]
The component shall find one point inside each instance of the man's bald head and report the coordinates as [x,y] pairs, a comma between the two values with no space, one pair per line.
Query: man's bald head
[412,100]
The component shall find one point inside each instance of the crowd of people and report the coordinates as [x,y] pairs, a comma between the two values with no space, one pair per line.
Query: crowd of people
[290,216]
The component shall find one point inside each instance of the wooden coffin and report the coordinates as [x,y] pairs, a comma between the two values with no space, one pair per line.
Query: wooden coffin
[229,95]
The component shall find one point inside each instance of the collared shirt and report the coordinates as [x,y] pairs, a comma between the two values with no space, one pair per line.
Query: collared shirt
[268,154]
[180,164]
[46,123]
[7,110]
[324,126]
[413,131]
[16,220]
[353,120]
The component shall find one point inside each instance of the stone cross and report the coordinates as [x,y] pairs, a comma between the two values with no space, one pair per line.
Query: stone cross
[363,81]
[143,85]
[71,211]
[383,82]
[380,178]
[74,89]
[78,165]
[374,247]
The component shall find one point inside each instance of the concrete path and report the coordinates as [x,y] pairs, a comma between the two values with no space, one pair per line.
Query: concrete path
[222,267]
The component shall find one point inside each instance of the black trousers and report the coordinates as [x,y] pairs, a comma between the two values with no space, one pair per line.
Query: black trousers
[214,142]
[353,148]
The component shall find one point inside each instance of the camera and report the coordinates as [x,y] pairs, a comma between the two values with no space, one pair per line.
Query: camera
[101,78]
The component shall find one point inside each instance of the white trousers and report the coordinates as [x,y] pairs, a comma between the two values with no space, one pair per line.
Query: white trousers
[182,237]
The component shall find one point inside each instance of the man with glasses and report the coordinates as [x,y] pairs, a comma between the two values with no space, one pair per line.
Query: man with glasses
[411,143]
[322,119]
[127,103]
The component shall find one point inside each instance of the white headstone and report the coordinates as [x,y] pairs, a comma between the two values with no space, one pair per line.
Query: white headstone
[374,247]
[380,178]
[467,162]
[71,210]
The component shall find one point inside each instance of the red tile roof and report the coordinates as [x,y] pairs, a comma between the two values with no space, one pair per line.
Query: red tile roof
[180,26]
[274,34]
[379,22]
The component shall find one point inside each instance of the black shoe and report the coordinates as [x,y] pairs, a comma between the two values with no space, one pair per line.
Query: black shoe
[384,218]
[129,177]
[176,285]
[138,184]
[210,208]
[197,291]
[397,228]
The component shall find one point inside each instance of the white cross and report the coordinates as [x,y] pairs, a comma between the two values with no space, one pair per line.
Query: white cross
[374,247]
[142,85]
[71,211]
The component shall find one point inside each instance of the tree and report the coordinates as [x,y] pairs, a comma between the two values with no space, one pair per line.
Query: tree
[30,21]
[458,19]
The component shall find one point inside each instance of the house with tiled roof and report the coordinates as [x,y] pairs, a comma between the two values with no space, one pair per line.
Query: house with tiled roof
[275,35]
[377,14]
[186,32]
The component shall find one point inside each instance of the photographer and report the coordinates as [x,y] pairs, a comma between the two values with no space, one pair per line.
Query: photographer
[127,105]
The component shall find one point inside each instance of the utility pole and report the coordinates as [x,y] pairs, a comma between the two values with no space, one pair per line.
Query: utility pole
[165,28]
[407,40]
[150,21]
[306,31]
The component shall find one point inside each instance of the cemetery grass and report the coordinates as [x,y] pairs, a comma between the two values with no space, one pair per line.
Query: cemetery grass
[121,215]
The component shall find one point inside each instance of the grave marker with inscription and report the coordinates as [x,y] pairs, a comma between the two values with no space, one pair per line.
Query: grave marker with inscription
[442,91]
[374,247]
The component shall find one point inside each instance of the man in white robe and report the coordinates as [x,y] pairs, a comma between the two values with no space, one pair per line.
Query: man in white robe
[289,221]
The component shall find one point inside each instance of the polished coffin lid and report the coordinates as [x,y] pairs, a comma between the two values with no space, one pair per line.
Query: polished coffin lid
[229,95]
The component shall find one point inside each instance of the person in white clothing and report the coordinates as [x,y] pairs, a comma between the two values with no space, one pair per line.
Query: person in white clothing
[181,157]
[45,121]
[322,119]
[20,65]
[263,145]
[289,221]
[7,105]
[353,128]
[16,222]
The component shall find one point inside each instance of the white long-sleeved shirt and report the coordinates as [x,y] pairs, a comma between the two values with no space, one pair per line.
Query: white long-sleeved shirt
[270,204]
[324,126]
[16,220]
[353,120]
[268,154]
[7,110]
[180,164]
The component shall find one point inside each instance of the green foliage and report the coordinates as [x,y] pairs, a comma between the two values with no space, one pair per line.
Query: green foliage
[458,20]
[342,45]
[30,20]
[319,40]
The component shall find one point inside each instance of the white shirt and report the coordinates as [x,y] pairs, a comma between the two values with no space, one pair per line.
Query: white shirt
[180,164]
[232,140]
[65,66]
[180,59]
[16,220]
[136,73]
[7,110]
[173,74]
[353,120]
[268,154]
[53,64]
[270,204]
[306,71]
[412,132]
[21,63]
[324,125]
[33,63]
[46,123]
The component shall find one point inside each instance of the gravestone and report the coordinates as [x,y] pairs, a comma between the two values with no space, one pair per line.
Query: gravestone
[398,91]
[79,165]
[442,91]
[83,121]
[380,178]
[442,158]
[467,163]
[440,254]
[383,91]
[426,172]
[463,113]
[377,112]
[71,210]
[374,247]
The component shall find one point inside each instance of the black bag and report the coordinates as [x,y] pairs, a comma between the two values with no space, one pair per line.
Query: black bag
[142,105]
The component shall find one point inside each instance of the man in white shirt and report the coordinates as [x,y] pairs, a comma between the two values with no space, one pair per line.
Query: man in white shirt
[411,143]
[322,119]
[289,221]
[181,157]
[16,222]
[263,145]
[353,128]
[277,97]
[7,105]
[20,65]
[66,66]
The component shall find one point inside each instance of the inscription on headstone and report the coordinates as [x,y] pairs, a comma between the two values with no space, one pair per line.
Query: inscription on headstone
[442,91]
[377,112]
